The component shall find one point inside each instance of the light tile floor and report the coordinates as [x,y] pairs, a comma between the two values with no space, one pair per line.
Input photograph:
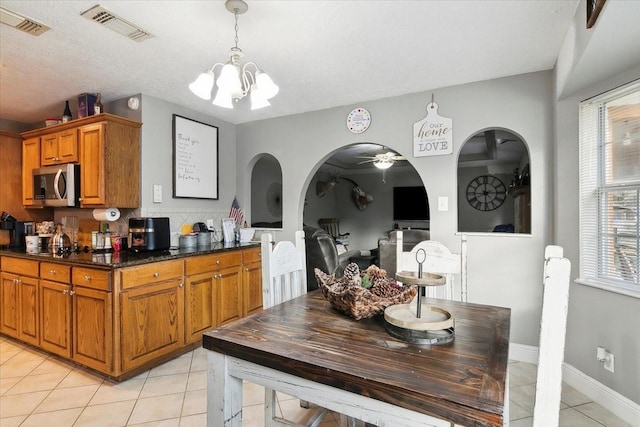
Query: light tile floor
[37,389]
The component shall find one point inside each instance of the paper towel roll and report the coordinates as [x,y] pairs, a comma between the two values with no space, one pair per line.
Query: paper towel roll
[109,214]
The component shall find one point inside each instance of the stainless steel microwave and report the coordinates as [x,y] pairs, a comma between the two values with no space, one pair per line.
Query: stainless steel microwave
[57,185]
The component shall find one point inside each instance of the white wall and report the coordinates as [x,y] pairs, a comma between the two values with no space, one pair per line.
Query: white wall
[596,317]
[503,270]
[157,161]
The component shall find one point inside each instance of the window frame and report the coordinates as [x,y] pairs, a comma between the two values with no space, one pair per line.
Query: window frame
[599,264]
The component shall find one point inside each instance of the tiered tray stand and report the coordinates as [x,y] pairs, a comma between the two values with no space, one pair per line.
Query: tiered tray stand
[419,322]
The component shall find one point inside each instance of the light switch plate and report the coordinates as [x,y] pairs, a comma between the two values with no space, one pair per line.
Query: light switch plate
[443,203]
[157,193]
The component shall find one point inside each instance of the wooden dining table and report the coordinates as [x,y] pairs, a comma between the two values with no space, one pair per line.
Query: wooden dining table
[307,349]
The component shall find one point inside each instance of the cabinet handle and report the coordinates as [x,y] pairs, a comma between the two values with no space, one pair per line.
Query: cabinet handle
[246,269]
[53,272]
[156,274]
[72,292]
[87,278]
[64,292]
[218,261]
[181,285]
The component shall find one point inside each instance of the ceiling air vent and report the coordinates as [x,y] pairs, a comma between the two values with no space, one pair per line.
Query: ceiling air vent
[112,21]
[22,23]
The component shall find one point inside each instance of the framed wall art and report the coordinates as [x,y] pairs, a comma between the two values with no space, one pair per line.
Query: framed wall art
[195,159]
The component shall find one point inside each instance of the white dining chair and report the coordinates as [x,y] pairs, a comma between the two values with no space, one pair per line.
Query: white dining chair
[438,260]
[284,277]
[553,327]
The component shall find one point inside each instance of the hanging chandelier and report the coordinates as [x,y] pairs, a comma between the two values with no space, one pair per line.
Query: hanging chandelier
[235,81]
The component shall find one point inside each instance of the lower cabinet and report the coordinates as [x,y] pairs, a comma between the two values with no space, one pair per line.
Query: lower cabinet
[19,311]
[200,300]
[123,320]
[152,322]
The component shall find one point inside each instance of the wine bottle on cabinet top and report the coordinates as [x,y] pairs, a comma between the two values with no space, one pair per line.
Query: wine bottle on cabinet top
[66,115]
[97,107]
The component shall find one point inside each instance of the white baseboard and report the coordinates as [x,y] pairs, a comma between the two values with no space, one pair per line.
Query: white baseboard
[613,401]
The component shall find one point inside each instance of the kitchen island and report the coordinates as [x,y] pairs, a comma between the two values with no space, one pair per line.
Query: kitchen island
[122,313]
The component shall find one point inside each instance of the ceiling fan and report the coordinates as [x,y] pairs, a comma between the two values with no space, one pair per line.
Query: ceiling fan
[382,160]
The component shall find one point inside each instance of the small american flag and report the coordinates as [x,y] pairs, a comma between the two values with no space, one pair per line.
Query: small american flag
[236,212]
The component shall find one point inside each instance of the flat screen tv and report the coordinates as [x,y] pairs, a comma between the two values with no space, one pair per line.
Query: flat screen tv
[410,204]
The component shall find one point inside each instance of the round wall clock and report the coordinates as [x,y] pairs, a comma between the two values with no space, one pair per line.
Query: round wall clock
[358,120]
[486,193]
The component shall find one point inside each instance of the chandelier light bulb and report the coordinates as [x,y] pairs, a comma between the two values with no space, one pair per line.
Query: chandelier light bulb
[257,99]
[266,85]
[203,85]
[223,99]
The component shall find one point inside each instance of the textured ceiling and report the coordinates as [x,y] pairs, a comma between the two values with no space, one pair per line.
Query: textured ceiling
[321,53]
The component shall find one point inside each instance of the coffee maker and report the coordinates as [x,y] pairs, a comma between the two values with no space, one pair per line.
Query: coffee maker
[12,232]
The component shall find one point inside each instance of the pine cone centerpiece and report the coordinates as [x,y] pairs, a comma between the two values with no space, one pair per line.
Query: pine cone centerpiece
[365,293]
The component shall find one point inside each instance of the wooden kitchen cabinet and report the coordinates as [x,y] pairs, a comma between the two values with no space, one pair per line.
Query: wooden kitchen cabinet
[151,312]
[92,311]
[20,309]
[107,147]
[30,161]
[251,281]
[55,308]
[109,164]
[200,302]
[59,147]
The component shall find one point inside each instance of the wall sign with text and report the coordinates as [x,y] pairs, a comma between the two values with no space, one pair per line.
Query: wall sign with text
[433,135]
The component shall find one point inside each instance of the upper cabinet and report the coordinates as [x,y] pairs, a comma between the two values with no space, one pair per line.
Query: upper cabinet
[107,147]
[59,147]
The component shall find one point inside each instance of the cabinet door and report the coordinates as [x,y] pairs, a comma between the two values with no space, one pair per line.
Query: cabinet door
[200,315]
[229,294]
[68,146]
[92,328]
[30,161]
[152,322]
[9,313]
[252,288]
[49,149]
[55,317]
[92,171]
[29,326]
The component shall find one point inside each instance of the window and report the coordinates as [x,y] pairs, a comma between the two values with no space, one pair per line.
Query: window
[610,189]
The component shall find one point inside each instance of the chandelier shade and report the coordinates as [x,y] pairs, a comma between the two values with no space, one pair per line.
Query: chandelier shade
[235,81]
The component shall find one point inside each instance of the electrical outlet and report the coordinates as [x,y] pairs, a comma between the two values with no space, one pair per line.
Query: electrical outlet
[605,356]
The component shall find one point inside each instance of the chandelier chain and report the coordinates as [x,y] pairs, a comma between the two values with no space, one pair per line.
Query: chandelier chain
[235,13]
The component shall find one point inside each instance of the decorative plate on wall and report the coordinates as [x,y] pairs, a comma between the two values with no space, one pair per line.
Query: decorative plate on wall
[358,120]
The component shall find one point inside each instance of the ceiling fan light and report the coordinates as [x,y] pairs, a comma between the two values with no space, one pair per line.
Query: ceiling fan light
[203,85]
[383,164]
[223,99]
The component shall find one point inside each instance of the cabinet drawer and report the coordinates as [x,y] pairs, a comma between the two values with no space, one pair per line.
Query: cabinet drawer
[91,278]
[55,272]
[23,267]
[212,262]
[150,273]
[251,255]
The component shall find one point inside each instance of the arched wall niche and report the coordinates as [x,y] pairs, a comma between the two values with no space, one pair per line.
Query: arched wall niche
[266,193]
[494,193]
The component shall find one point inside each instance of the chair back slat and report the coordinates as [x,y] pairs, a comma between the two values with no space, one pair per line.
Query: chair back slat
[283,269]
[438,260]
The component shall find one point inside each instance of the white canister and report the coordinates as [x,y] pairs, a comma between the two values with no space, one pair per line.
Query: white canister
[32,244]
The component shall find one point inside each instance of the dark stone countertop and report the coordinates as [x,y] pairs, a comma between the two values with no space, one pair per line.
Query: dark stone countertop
[125,258]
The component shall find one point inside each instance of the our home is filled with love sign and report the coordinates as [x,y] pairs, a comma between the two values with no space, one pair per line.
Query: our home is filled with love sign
[433,135]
